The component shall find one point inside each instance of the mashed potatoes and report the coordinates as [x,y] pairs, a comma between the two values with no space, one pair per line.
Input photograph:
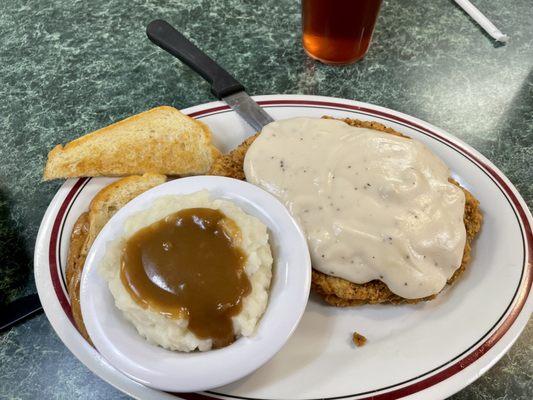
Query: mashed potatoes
[171,333]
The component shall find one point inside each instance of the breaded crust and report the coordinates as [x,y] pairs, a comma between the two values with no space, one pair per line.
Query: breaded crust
[75,262]
[231,164]
[340,292]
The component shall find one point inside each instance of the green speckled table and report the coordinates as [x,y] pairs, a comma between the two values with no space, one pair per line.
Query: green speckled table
[70,66]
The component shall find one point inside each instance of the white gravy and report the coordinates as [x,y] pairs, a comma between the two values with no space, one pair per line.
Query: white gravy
[373,205]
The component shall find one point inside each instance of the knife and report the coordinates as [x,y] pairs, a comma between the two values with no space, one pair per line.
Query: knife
[224,86]
[18,310]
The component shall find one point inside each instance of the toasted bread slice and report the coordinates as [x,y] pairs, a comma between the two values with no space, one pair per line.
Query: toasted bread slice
[337,291]
[161,140]
[75,263]
[77,241]
[104,205]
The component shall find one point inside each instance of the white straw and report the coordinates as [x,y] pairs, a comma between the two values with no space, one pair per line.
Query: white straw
[483,21]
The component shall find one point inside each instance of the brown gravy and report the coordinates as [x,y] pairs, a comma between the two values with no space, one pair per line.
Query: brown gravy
[189,265]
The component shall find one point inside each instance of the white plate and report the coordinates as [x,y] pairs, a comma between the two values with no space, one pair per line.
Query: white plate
[425,351]
[120,344]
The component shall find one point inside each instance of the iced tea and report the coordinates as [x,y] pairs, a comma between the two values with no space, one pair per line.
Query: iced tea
[338,31]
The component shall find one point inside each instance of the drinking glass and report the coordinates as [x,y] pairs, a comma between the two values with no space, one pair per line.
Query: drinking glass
[338,31]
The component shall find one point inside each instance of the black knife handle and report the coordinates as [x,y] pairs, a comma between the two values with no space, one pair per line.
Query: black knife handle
[165,36]
[18,310]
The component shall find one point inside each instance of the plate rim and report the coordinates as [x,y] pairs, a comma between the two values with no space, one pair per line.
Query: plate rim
[509,329]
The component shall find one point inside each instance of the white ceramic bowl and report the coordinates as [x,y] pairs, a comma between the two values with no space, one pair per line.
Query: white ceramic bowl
[120,344]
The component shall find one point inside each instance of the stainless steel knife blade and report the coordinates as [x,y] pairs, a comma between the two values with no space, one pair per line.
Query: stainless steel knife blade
[248,110]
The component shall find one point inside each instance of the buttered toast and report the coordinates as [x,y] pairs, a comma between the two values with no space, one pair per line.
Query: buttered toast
[161,140]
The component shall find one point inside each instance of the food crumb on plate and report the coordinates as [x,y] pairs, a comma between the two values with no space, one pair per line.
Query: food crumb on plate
[358,339]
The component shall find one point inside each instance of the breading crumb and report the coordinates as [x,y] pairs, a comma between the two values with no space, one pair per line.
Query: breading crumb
[358,340]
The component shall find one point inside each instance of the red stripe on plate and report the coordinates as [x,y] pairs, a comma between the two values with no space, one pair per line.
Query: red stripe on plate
[214,109]
[192,396]
[53,249]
